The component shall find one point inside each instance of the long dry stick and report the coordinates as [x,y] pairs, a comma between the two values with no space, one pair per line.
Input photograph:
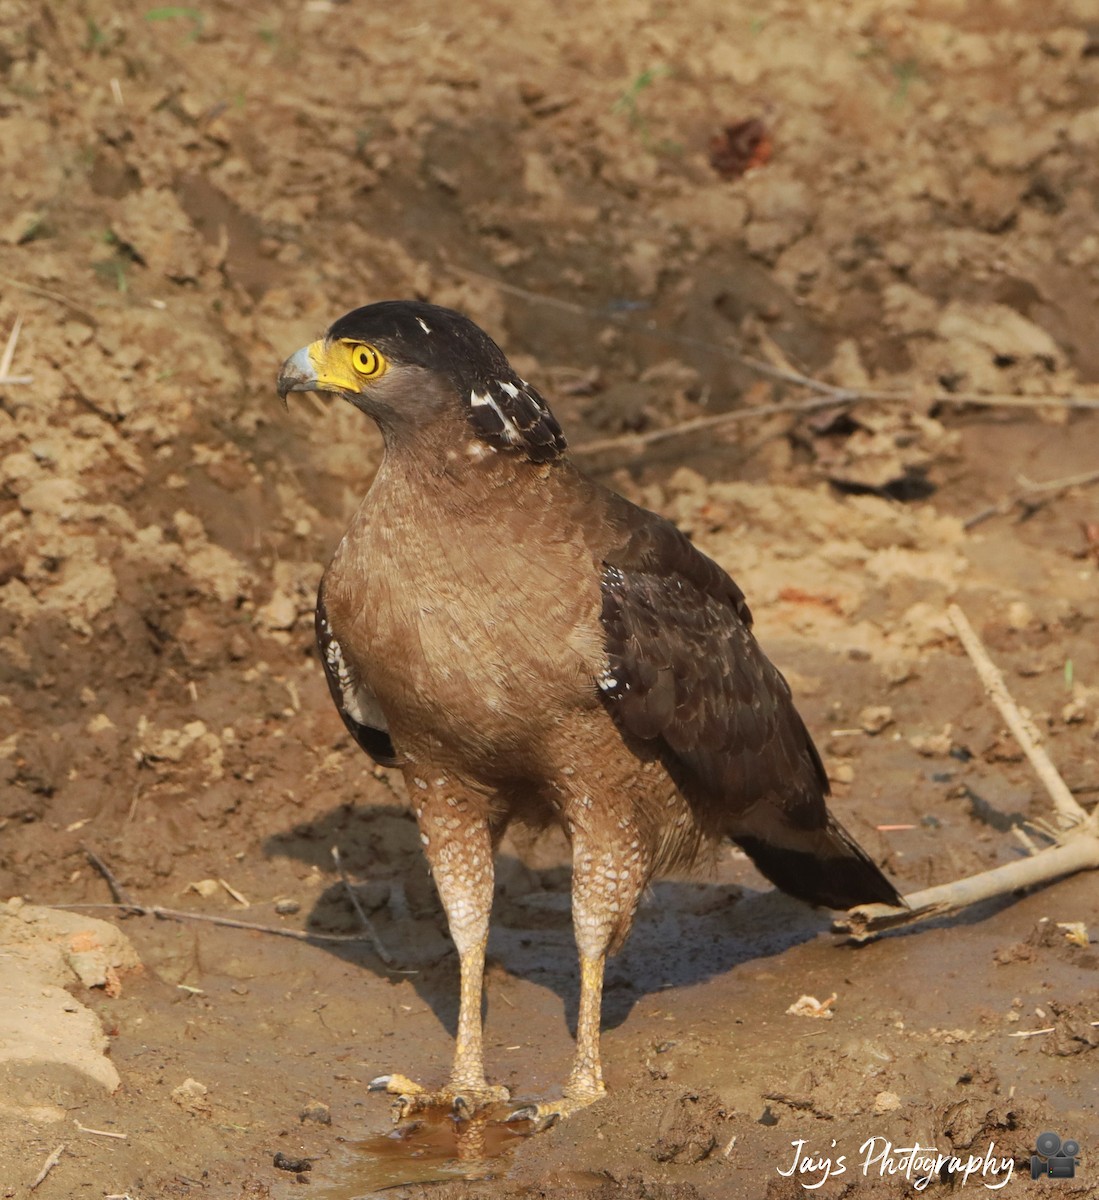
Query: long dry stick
[1079,852]
[75,306]
[1078,836]
[179,914]
[835,393]
[1029,492]
[1069,811]
[635,441]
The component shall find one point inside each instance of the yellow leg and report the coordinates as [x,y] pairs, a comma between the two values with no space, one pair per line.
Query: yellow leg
[604,897]
[467,1090]
[586,1077]
[461,862]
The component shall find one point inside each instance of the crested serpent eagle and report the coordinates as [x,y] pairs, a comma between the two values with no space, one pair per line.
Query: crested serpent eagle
[524,644]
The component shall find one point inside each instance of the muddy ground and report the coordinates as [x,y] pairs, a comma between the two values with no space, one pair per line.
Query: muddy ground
[192,193]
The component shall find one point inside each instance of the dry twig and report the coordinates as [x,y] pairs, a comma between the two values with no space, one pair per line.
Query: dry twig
[356,904]
[635,441]
[126,905]
[1077,833]
[117,890]
[831,393]
[178,914]
[8,357]
[1029,1033]
[107,1133]
[1029,492]
[48,1165]
[81,310]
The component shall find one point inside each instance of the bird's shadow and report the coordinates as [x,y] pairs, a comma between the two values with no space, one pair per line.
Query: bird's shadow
[685,931]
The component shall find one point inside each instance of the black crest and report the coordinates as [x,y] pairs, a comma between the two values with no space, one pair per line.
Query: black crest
[504,411]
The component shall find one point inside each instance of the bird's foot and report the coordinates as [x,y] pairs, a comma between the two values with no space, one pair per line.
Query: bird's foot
[542,1116]
[463,1102]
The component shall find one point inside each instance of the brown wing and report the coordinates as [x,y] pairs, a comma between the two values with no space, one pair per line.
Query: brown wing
[684,670]
[685,667]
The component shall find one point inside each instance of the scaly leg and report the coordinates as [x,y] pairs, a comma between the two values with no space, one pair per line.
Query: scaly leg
[605,892]
[458,841]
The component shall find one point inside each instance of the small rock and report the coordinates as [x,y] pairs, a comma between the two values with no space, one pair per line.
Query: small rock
[842,772]
[316,1111]
[283,1162]
[1019,614]
[191,1096]
[934,745]
[886,1102]
[287,908]
[280,612]
[875,717]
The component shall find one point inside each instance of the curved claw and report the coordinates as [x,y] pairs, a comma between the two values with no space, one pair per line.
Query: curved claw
[410,1097]
[541,1118]
[395,1085]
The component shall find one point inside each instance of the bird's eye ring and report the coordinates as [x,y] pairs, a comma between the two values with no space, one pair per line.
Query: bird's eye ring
[367,361]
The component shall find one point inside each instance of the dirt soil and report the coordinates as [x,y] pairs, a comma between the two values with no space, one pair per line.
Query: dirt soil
[190,195]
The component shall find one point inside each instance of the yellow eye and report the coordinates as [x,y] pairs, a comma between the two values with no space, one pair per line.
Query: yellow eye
[367,361]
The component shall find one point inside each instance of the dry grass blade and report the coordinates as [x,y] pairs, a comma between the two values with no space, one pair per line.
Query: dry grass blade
[8,357]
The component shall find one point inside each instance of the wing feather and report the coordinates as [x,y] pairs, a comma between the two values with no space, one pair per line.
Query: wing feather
[684,667]
[354,700]
[684,670]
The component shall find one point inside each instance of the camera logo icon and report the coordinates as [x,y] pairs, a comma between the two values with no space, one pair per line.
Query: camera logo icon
[1055,1159]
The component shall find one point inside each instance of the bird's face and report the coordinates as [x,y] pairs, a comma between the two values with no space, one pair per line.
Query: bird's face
[416,367]
[346,366]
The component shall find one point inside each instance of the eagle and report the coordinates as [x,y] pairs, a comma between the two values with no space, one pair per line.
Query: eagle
[524,644]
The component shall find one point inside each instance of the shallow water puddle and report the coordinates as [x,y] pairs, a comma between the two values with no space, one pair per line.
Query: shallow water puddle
[428,1149]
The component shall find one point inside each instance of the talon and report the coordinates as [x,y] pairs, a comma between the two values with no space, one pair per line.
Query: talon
[541,1117]
[545,1115]
[525,1112]
[395,1085]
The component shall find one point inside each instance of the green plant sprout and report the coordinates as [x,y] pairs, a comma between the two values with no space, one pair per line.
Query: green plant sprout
[175,13]
[627,102]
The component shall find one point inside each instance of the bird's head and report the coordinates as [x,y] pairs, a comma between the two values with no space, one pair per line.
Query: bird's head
[408,365]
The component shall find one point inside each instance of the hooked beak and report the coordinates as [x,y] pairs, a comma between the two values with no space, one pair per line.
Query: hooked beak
[299,372]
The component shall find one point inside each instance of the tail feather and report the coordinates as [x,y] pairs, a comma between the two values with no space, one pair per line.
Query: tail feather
[821,866]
